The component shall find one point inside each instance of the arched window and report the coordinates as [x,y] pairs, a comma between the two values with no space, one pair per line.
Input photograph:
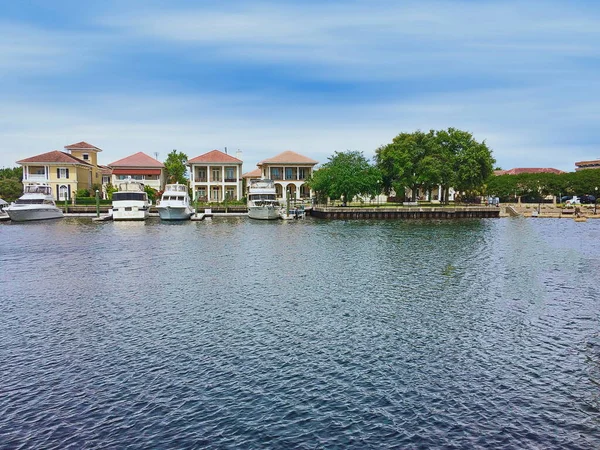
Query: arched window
[63,192]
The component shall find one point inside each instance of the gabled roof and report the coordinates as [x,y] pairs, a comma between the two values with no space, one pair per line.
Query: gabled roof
[215,156]
[139,159]
[82,146]
[105,170]
[54,156]
[590,162]
[520,170]
[288,157]
[256,173]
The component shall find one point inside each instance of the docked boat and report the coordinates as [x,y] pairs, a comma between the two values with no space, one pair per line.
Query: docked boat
[262,200]
[292,213]
[175,203]
[36,203]
[130,202]
[3,214]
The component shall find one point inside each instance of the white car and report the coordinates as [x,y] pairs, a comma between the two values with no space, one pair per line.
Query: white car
[573,201]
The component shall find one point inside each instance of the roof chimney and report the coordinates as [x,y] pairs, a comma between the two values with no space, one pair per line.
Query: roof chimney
[238,154]
[225,150]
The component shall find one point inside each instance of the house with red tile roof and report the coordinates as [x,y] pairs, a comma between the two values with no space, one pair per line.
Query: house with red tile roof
[64,171]
[289,170]
[583,165]
[520,170]
[139,167]
[216,176]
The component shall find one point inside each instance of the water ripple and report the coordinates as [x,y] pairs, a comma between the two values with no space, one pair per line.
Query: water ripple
[310,334]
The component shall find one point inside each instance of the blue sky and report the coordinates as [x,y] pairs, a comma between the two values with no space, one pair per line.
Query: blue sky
[313,77]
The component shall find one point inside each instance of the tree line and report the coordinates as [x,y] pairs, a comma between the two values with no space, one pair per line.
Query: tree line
[535,186]
[418,161]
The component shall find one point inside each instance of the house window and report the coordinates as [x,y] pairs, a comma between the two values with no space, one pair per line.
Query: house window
[201,175]
[201,193]
[216,174]
[230,193]
[215,194]
[86,157]
[275,173]
[105,179]
[229,174]
[302,173]
[62,172]
[289,173]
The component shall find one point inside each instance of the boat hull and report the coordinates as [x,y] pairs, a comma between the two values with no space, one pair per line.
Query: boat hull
[129,214]
[28,214]
[263,212]
[174,212]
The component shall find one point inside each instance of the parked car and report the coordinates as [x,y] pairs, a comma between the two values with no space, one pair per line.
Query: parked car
[587,199]
[566,198]
[574,201]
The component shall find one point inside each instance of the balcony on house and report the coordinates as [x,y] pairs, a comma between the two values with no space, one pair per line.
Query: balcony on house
[35,173]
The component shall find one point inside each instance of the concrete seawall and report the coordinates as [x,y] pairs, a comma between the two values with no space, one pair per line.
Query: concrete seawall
[405,213]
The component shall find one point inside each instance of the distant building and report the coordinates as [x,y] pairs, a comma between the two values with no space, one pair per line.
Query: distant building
[139,167]
[289,170]
[66,172]
[520,170]
[582,165]
[215,176]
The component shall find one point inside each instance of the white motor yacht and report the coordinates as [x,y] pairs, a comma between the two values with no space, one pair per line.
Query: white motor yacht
[262,203]
[175,203]
[130,202]
[36,203]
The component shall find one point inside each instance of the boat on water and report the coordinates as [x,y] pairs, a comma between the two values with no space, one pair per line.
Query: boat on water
[3,214]
[175,203]
[130,202]
[36,203]
[262,200]
[292,213]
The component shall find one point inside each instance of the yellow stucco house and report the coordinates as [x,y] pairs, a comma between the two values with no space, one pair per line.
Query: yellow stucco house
[64,171]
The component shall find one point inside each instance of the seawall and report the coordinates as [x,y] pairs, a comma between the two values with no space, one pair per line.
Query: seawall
[405,213]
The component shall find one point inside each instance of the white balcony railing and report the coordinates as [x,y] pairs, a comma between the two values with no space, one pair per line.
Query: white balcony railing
[37,178]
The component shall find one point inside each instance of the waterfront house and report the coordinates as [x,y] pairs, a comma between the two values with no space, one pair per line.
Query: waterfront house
[64,171]
[216,176]
[140,167]
[289,170]
[583,165]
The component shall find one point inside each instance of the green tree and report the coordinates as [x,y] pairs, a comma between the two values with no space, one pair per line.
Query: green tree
[344,176]
[110,190]
[473,161]
[448,158]
[11,186]
[10,189]
[11,173]
[152,193]
[175,167]
[402,162]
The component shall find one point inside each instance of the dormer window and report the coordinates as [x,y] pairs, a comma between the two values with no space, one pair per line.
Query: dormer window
[86,156]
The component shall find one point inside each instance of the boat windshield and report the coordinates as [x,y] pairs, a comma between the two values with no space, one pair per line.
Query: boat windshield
[29,201]
[176,187]
[120,196]
[257,197]
[36,189]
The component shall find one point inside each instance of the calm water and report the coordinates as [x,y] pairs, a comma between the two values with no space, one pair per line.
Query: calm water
[233,333]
